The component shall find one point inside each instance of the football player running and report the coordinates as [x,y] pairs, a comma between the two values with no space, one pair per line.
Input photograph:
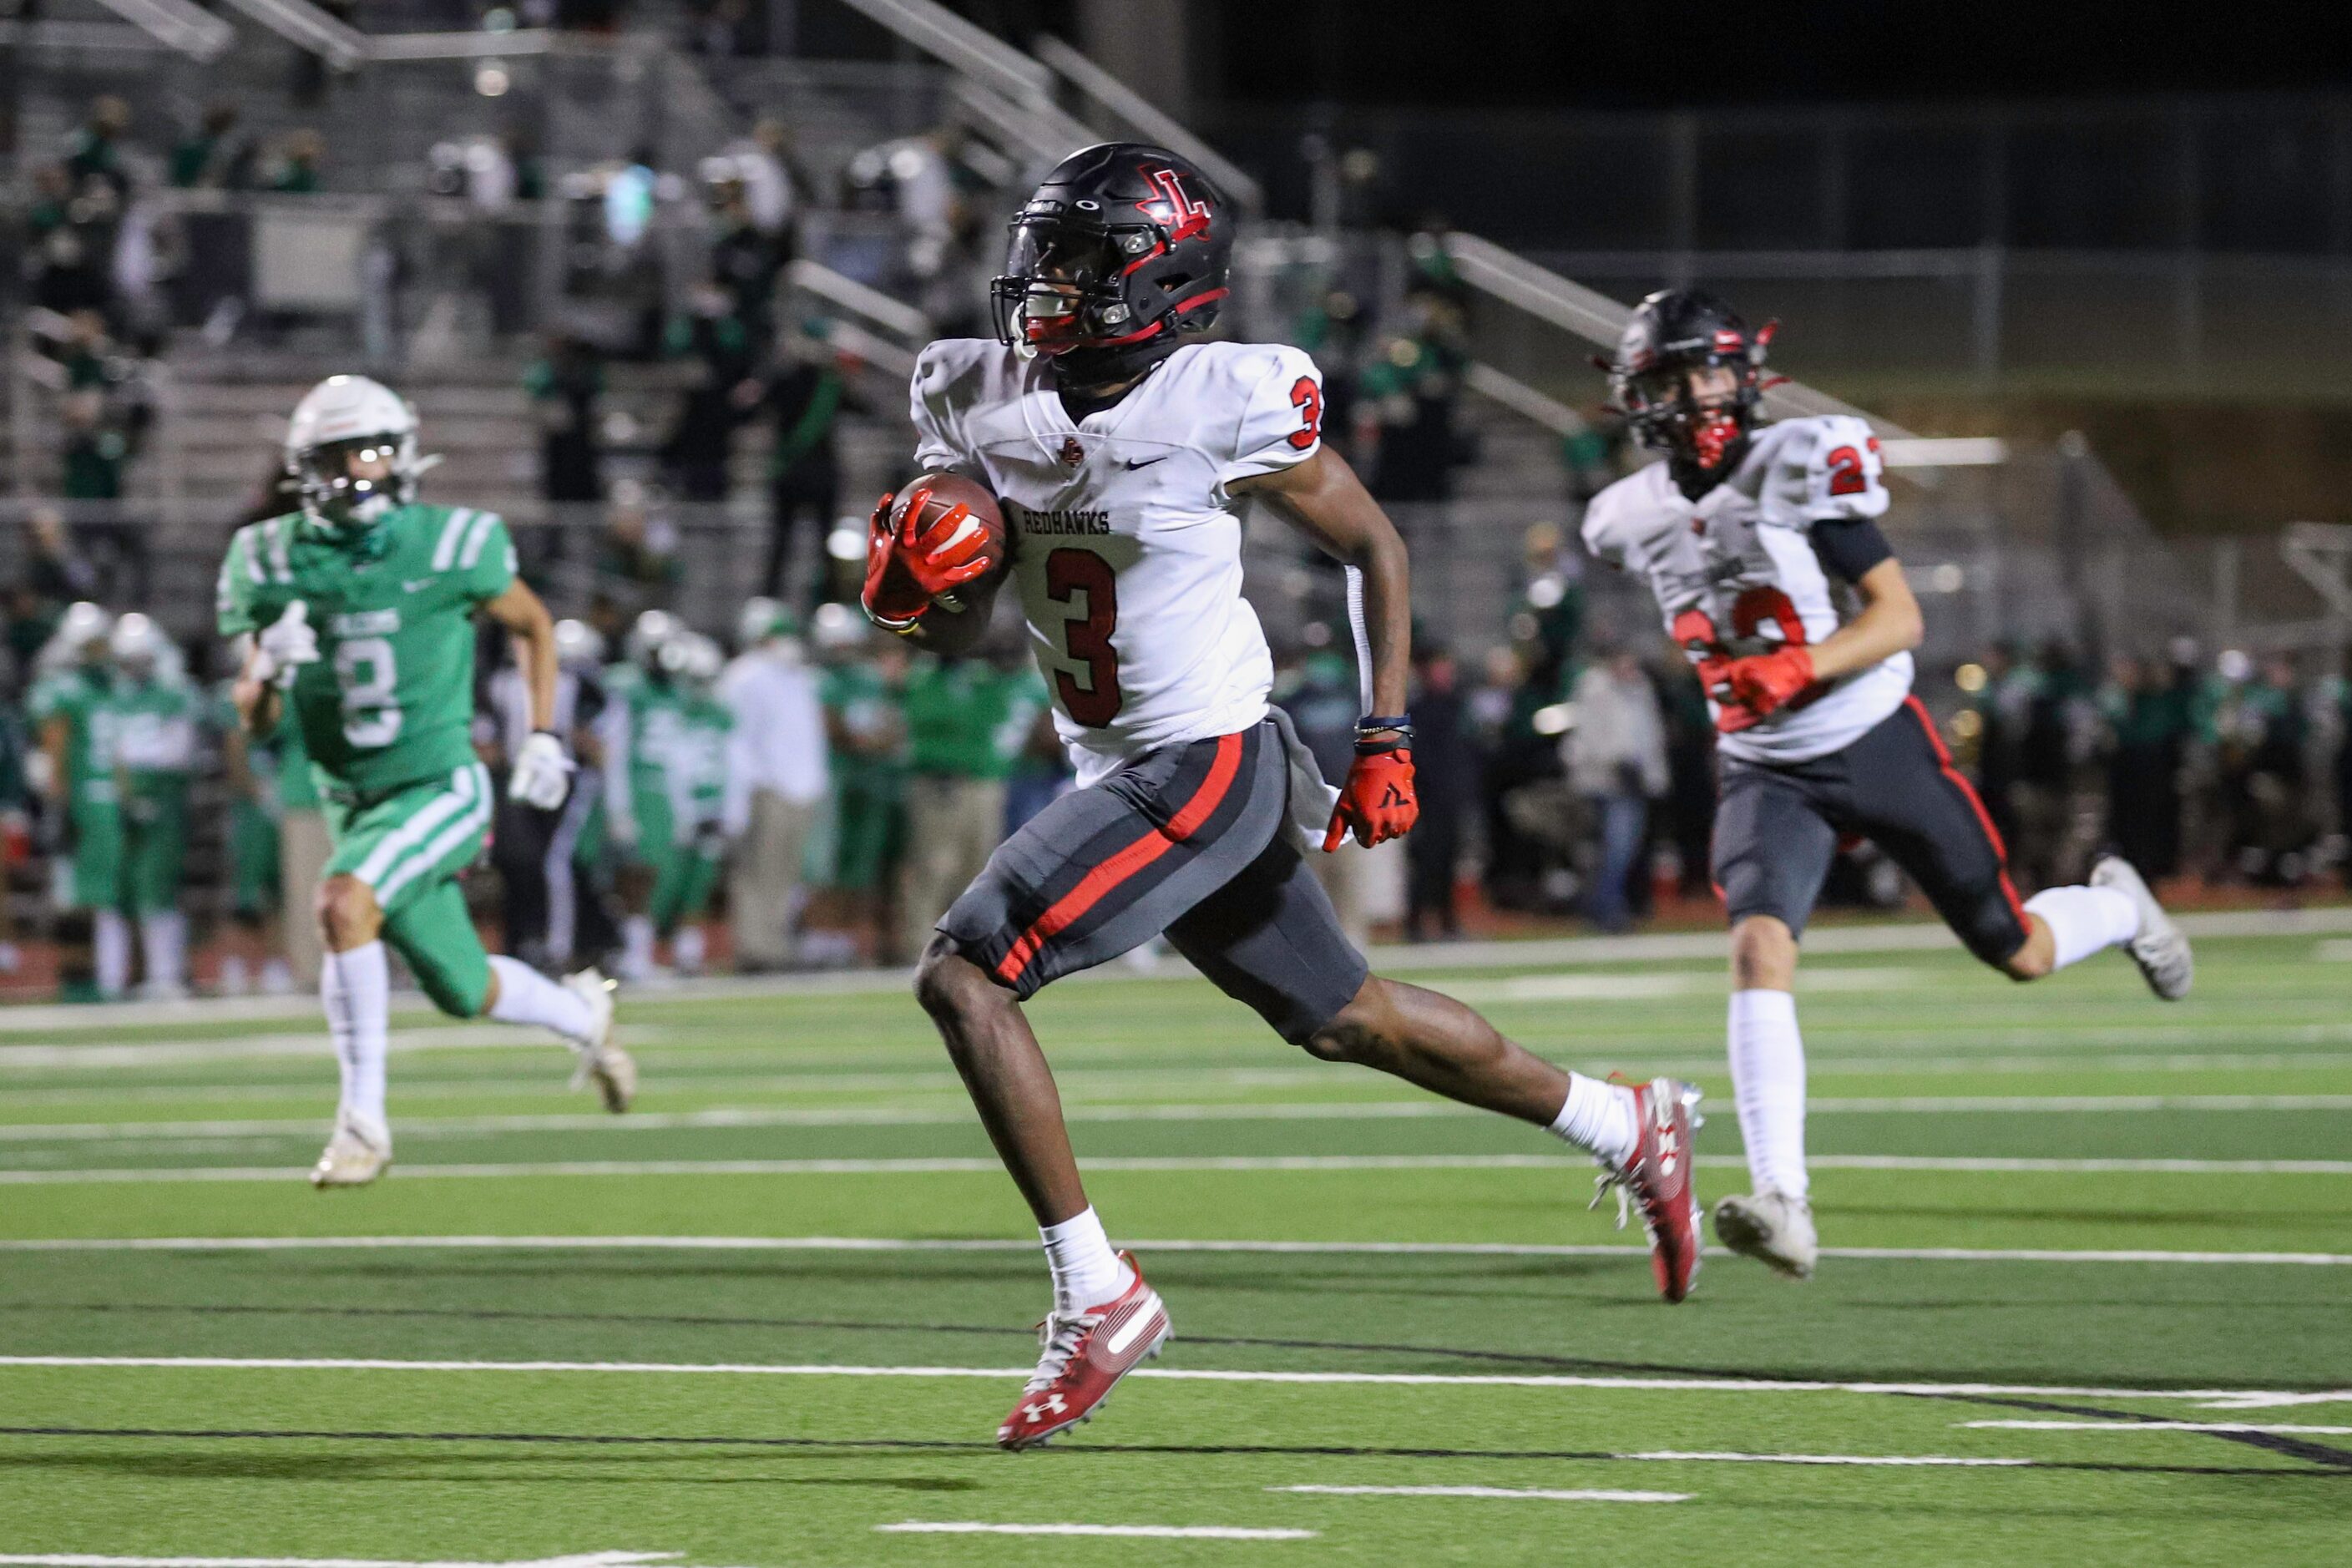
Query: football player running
[360,608]
[1123,450]
[1740,534]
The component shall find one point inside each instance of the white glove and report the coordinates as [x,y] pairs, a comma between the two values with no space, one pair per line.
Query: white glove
[287,645]
[542,774]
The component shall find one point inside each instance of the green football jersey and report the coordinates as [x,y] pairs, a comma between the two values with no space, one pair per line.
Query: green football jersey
[154,734]
[391,699]
[871,712]
[83,698]
[677,752]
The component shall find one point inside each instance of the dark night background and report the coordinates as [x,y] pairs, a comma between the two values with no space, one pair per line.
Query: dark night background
[1665,53]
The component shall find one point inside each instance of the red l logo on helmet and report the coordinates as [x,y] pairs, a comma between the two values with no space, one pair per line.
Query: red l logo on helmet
[1172,209]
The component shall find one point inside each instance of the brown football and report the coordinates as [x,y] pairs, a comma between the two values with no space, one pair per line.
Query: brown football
[944,492]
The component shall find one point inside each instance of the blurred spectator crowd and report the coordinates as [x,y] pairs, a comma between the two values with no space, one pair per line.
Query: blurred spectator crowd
[829,791]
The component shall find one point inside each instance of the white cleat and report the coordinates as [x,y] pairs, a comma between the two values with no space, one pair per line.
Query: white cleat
[2160,948]
[1774,1228]
[601,1060]
[357,1154]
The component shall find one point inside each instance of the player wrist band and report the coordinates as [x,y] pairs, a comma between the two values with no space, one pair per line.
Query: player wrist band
[1396,732]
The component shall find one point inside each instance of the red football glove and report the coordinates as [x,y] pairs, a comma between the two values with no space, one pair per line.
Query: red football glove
[1769,682]
[1377,801]
[906,571]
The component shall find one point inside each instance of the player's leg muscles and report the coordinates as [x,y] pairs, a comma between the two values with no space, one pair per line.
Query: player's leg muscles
[996,1053]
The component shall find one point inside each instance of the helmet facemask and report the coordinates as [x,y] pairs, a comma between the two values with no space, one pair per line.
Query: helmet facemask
[1063,286]
[347,485]
[1705,433]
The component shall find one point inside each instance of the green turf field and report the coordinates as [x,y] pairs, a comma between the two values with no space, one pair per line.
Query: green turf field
[2091,1300]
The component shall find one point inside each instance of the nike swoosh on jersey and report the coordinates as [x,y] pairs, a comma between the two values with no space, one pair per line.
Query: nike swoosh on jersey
[411,586]
[1147,462]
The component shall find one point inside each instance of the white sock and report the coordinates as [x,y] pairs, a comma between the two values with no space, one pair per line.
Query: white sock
[1767,1082]
[164,935]
[2084,921]
[1599,1117]
[235,978]
[1087,1272]
[109,951]
[688,949]
[527,996]
[356,989]
[637,944]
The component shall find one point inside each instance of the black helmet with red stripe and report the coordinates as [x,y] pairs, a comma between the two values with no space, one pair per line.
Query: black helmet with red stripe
[1702,429]
[1123,246]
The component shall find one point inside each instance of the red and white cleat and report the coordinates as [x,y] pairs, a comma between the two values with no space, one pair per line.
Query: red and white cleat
[1657,1177]
[1086,1354]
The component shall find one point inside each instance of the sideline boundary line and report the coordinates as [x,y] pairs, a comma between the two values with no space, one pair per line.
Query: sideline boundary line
[921,1165]
[1238,1111]
[1004,1245]
[1909,936]
[1164,1374]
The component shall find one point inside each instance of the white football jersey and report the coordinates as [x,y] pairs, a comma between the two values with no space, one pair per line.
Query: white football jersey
[1735,573]
[1127,544]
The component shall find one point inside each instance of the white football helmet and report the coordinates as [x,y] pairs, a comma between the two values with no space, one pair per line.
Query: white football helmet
[343,418]
[692,660]
[762,618]
[642,646]
[578,646]
[80,636]
[139,647]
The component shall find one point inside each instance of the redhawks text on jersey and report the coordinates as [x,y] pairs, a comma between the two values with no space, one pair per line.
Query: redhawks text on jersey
[1128,550]
[1735,573]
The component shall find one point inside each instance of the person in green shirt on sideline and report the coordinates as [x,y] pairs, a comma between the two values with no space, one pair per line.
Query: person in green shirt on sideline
[867,731]
[967,721]
[72,770]
[665,772]
[154,759]
[358,612]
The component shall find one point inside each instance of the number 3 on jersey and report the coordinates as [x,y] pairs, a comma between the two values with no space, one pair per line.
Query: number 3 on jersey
[1086,638]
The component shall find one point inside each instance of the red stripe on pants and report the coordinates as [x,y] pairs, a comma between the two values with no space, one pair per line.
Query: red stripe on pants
[1096,884]
[1969,794]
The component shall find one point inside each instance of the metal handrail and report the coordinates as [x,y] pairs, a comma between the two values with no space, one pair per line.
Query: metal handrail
[1598,319]
[948,37]
[1155,122]
[180,24]
[851,295]
[303,24]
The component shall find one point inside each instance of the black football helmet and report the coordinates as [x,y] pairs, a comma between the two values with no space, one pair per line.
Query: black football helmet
[1123,246]
[1674,332]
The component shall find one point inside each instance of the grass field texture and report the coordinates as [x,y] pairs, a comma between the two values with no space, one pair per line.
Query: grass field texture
[2089,1295]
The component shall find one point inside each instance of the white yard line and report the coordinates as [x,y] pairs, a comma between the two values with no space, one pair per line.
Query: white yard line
[1143,1532]
[1901,937]
[1166,1374]
[2149,1426]
[958,1113]
[308,1043]
[1679,1456]
[977,1164]
[953,1244]
[1537,1494]
[87,1560]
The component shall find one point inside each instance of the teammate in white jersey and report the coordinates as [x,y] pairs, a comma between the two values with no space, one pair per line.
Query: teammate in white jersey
[1747,534]
[1122,451]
